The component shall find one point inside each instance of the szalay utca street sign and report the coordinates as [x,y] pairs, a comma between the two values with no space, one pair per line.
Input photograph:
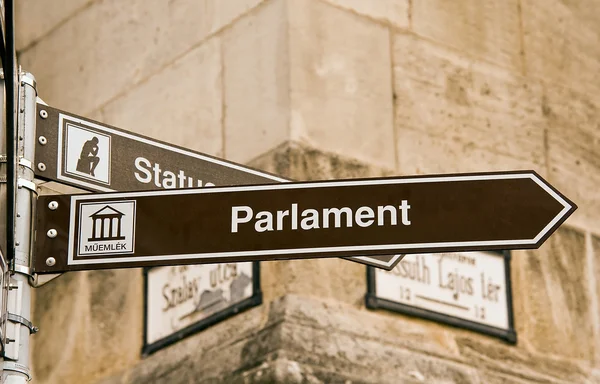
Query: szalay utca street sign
[297,220]
[99,158]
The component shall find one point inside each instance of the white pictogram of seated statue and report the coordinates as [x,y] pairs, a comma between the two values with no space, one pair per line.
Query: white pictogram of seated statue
[88,159]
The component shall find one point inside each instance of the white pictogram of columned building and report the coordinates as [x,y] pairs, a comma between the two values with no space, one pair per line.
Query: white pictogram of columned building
[100,219]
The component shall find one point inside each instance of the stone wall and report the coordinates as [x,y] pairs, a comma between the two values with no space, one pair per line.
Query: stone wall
[319,89]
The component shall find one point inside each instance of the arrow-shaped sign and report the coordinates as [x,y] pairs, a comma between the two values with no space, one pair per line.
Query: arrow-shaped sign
[100,158]
[486,211]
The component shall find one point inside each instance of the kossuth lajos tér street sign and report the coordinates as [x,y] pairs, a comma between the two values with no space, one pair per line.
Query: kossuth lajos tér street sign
[443,213]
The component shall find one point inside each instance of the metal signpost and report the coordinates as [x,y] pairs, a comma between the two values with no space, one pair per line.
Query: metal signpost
[16,366]
[18,195]
[297,220]
[100,158]
[4,283]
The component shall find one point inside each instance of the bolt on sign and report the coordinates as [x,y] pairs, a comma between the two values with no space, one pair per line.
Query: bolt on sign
[485,211]
[182,300]
[470,290]
[100,158]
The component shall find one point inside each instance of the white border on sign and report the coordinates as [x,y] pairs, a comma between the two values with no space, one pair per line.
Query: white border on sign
[63,117]
[374,261]
[384,248]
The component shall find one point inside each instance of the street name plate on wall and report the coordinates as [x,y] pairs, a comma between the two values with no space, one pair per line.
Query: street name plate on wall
[182,300]
[470,290]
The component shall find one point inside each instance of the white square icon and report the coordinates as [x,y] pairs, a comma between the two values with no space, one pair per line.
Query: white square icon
[106,228]
[87,154]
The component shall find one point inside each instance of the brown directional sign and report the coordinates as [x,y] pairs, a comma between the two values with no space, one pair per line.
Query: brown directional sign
[297,220]
[101,158]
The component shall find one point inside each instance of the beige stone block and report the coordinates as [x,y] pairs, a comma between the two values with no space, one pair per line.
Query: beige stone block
[595,254]
[114,331]
[256,83]
[316,335]
[561,42]
[112,45]
[487,29]
[337,279]
[424,153]
[379,326]
[469,115]
[87,317]
[490,377]
[574,169]
[217,353]
[34,19]
[301,339]
[595,376]
[340,83]
[565,109]
[298,161]
[555,291]
[95,115]
[337,338]
[394,12]
[496,361]
[59,311]
[523,360]
[334,354]
[181,104]
[116,379]
[573,141]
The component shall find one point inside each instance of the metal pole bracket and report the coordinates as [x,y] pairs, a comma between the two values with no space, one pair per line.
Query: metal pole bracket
[18,268]
[29,80]
[16,367]
[24,183]
[21,320]
[26,163]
